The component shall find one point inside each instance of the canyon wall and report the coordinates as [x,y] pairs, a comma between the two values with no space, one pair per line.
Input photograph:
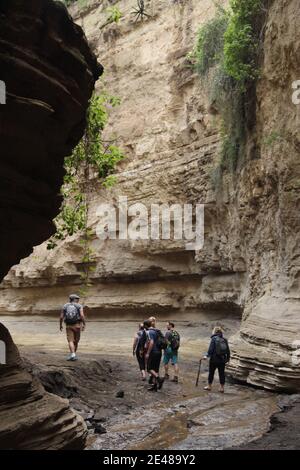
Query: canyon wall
[171,137]
[50,73]
[170,140]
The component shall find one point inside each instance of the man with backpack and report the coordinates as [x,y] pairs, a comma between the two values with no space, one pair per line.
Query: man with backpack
[155,344]
[171,352]
[73,316]
[219,354]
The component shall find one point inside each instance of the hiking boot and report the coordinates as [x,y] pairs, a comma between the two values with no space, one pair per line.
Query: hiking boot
[71,357]
[150,381]
[167,376]
[153,388]
[160,382]
[175,380]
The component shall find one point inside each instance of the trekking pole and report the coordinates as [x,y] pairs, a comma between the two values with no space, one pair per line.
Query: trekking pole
[198,375]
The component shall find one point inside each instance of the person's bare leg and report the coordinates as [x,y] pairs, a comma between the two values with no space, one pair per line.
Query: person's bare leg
[166,370]
[153,383]
[157,381]
[212,368]
[77,339]
[155,376]
[72,347]
[176,372]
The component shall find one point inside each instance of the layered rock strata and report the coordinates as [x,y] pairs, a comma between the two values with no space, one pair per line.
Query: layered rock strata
[170,134]
[30,418]
[49,73]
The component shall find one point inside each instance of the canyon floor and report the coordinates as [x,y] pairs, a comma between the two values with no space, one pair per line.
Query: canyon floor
[105,388]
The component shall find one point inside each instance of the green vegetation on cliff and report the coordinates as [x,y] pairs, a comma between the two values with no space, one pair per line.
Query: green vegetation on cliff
[241,41]
[114,14]
[227,48]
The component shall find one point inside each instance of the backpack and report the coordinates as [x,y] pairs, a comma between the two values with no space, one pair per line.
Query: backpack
[161,342]
[174,341]
[221,347]
[142,339]
[71,314]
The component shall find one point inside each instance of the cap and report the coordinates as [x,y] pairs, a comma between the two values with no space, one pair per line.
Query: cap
[74,297]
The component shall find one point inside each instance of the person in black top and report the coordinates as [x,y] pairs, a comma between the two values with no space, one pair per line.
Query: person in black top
[153,356]
[219,354]
[139,348]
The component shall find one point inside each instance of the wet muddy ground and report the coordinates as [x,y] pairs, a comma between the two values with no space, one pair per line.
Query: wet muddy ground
[105,388]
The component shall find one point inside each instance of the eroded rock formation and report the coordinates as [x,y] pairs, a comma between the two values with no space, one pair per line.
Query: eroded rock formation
[50,73]
[266,351]
[30,418]
[250,261]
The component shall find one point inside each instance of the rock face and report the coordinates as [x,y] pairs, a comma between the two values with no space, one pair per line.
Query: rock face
[170,154]
[266,351]
[49,72]
[250,260]
[30,418]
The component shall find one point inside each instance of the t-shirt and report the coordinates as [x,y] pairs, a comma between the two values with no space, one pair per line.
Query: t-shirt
[153,335]
[168,335]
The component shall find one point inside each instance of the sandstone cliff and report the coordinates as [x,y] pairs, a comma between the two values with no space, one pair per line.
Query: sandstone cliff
[250,261]
[50,73]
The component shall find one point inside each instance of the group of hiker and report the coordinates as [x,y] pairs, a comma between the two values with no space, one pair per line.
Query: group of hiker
[150,346]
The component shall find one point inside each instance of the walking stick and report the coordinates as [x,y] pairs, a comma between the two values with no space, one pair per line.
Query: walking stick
[198,375]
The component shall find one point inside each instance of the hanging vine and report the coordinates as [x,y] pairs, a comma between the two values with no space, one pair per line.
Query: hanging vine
[93,158]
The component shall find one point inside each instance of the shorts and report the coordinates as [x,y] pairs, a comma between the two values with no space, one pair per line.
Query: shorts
[170,355]
[154,361]
[73,332]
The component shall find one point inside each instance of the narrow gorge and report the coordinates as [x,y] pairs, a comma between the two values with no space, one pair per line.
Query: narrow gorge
[247,274]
